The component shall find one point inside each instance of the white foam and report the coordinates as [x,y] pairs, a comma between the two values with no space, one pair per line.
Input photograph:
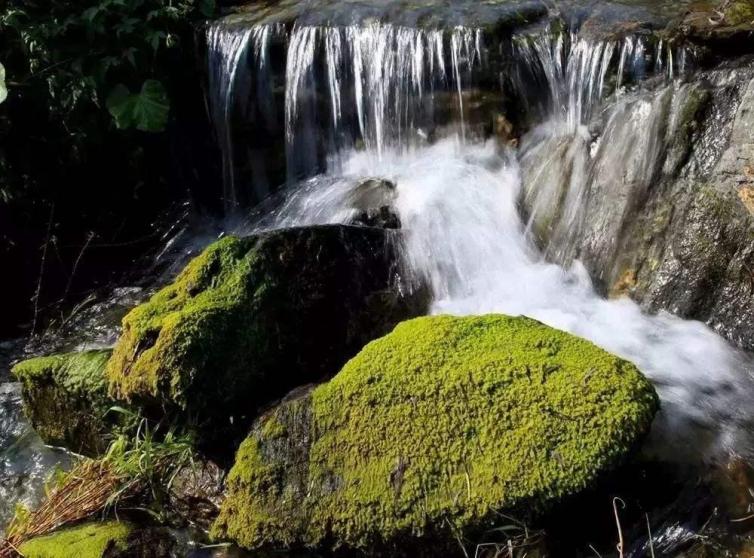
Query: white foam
[458,207]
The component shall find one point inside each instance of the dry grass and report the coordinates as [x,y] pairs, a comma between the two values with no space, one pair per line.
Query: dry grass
[83,492]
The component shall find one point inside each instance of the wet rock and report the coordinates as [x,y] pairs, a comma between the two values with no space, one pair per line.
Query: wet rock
[704,268]
[429,433]
[66,401]
[372,201]
[251,318]
[25,462]
[196,494]
[726,24]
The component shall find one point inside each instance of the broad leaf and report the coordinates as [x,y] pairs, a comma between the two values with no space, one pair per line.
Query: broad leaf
[3,88]
[146,111]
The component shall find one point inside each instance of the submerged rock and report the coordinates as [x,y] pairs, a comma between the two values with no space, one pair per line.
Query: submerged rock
[65,398]
[251,318]
[430,432]
[372,200]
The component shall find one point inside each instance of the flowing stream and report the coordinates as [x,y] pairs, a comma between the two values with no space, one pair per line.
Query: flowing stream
[370,94]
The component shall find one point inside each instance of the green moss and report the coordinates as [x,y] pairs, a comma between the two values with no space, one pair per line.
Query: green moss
[182,327]
[90,540]
[740,13]
[70,386]
[440,423]
[243,324]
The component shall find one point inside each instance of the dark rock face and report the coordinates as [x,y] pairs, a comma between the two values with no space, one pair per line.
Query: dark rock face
[251,318]
[706,269]
[666,211]
[372,200]
[196,494]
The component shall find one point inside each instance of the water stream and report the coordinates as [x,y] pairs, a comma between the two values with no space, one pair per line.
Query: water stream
[459,198]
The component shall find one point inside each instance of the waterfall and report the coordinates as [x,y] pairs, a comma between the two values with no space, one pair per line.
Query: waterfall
[458,206]
[384,75]
[228,46]
[601,140]
[381,85]
[591,146]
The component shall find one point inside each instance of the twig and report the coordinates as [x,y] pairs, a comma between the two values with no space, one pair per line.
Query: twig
[89,238]
[651,542]
[617,523]
[38,291]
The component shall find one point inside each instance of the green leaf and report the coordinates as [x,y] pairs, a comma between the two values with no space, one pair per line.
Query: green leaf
[146,111]
[3,88]
[207,7]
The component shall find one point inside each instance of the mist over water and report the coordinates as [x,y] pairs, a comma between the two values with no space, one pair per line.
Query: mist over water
[458,205]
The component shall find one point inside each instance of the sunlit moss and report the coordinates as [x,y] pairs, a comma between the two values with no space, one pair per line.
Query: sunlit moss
[65,398]
[251,318]
[91,540]
[433,428]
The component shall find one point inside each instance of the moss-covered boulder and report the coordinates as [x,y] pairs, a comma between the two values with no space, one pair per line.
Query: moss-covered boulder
[108,539]
[251,318]
[65,398]
[430,432]
[90,540]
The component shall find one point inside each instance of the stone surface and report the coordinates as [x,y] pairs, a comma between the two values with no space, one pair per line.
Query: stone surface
[252,318]
[65,399]
[430,432]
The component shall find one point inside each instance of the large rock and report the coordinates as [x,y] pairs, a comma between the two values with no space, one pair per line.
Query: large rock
[251,318]
[65,398]
[431,432]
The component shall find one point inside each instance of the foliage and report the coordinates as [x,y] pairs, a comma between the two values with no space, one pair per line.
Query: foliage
[76,170]
[433,430]
[138,468]
[84,53]
[146,460]
[146,111]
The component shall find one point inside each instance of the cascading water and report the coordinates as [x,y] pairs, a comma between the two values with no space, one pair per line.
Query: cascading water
[380,85]
[458,206]
[458,201]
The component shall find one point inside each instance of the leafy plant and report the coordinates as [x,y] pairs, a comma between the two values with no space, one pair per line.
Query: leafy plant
[86,54]
[146,111]
[94,91]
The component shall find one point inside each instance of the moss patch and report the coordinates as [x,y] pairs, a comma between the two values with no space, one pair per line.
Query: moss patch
[91,540]
[65,398]
[251,318]
[740,13]
[432,429]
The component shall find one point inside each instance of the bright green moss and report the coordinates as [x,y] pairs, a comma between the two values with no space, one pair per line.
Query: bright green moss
[70,386]
[439,423]
[90,540]
[183,326]
[250,319]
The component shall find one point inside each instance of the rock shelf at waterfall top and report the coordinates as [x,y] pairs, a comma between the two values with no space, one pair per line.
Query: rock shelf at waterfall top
[432,13]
